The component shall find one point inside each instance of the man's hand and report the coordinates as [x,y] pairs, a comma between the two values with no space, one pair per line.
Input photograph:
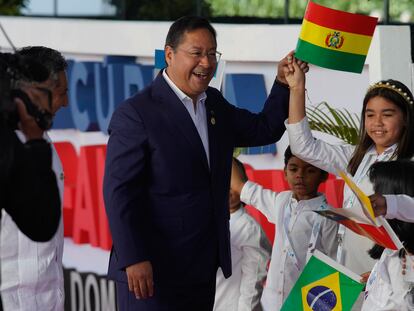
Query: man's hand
[140,279]
[294,76]
[379,204]
[285,62]
[27,123]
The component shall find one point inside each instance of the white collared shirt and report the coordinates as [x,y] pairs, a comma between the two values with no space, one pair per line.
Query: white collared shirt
[32,272]
[197,112]
[283,272]
[386,288]
[333,158]
[250,254]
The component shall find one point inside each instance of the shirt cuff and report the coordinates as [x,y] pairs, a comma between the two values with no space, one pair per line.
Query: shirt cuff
[298,126]
[246,192]
[391,206]
[299,132]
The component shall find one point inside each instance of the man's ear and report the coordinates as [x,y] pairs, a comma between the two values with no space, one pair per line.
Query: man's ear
[168,51]
[285,172]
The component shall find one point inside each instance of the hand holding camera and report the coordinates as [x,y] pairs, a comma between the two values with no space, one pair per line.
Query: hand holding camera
[26,102]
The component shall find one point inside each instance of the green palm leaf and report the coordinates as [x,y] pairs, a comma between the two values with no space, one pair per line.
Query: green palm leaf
[337,122]
[238,150]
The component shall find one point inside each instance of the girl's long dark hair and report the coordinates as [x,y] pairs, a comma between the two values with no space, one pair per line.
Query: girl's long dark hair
[405,149]
[394,177]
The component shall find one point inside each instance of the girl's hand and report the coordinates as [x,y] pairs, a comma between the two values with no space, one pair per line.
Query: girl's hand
[379,204]
[284,63]
[364,277]
[294,75]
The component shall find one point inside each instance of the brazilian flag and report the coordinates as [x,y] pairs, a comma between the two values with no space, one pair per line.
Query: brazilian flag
[323,285]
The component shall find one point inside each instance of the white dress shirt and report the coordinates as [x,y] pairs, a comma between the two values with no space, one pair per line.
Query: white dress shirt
[400,207]
[32,273]
[197,112]
[250,254]
[334,158]
[283,272]
[386,288]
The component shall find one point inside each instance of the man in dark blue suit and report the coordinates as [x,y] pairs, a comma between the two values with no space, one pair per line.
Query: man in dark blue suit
[168,171]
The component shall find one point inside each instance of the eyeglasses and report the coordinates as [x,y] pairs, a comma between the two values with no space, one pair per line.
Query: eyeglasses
[212,56]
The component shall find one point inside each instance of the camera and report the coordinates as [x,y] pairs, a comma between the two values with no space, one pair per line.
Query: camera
[17,74]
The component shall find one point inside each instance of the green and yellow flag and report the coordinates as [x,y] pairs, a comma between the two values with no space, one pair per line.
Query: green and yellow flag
[335,39]
[323,285]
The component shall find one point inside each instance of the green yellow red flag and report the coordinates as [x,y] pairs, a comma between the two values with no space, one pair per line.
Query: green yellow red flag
[335,39]
[323,285]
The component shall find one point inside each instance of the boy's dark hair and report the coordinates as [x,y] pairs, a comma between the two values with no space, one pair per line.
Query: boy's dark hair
[289,155]
[49,58]
[186,24]
[394,177]
[241,169]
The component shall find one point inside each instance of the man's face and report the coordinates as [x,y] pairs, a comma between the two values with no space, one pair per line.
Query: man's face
[60,92]
[191,65]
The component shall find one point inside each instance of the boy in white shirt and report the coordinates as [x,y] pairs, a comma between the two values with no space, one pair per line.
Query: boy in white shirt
[299,229]
[250,254]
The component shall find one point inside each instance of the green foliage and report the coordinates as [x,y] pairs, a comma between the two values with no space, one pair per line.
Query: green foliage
[237,151]
[258,8]
[275,8]
[159,9]
[12,7]
[337,122]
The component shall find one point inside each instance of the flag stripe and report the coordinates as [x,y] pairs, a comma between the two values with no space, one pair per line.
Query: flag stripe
[317,35]
[328,58]
[339,20]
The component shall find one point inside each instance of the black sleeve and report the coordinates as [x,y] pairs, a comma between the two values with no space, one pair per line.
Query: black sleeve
[32,195]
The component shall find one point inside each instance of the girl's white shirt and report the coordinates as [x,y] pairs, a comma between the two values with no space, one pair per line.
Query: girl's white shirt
[283,272]
[386,288]
[334,158]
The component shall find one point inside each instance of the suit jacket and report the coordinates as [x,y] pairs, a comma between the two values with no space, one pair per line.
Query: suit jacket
[164,202]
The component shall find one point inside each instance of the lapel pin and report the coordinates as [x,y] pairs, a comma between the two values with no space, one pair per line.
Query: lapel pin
[212,120]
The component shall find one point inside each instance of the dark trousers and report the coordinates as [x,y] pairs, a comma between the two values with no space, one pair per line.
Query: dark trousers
[171,297]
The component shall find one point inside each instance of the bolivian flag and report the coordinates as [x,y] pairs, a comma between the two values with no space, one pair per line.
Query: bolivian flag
[323,285]
[335,39]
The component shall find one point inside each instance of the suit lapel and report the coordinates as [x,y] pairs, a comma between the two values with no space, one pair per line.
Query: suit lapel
[174,110]
[213,126]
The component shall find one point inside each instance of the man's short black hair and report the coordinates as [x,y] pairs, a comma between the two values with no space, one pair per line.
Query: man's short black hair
[185,24]
[242,170]
[50,58]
